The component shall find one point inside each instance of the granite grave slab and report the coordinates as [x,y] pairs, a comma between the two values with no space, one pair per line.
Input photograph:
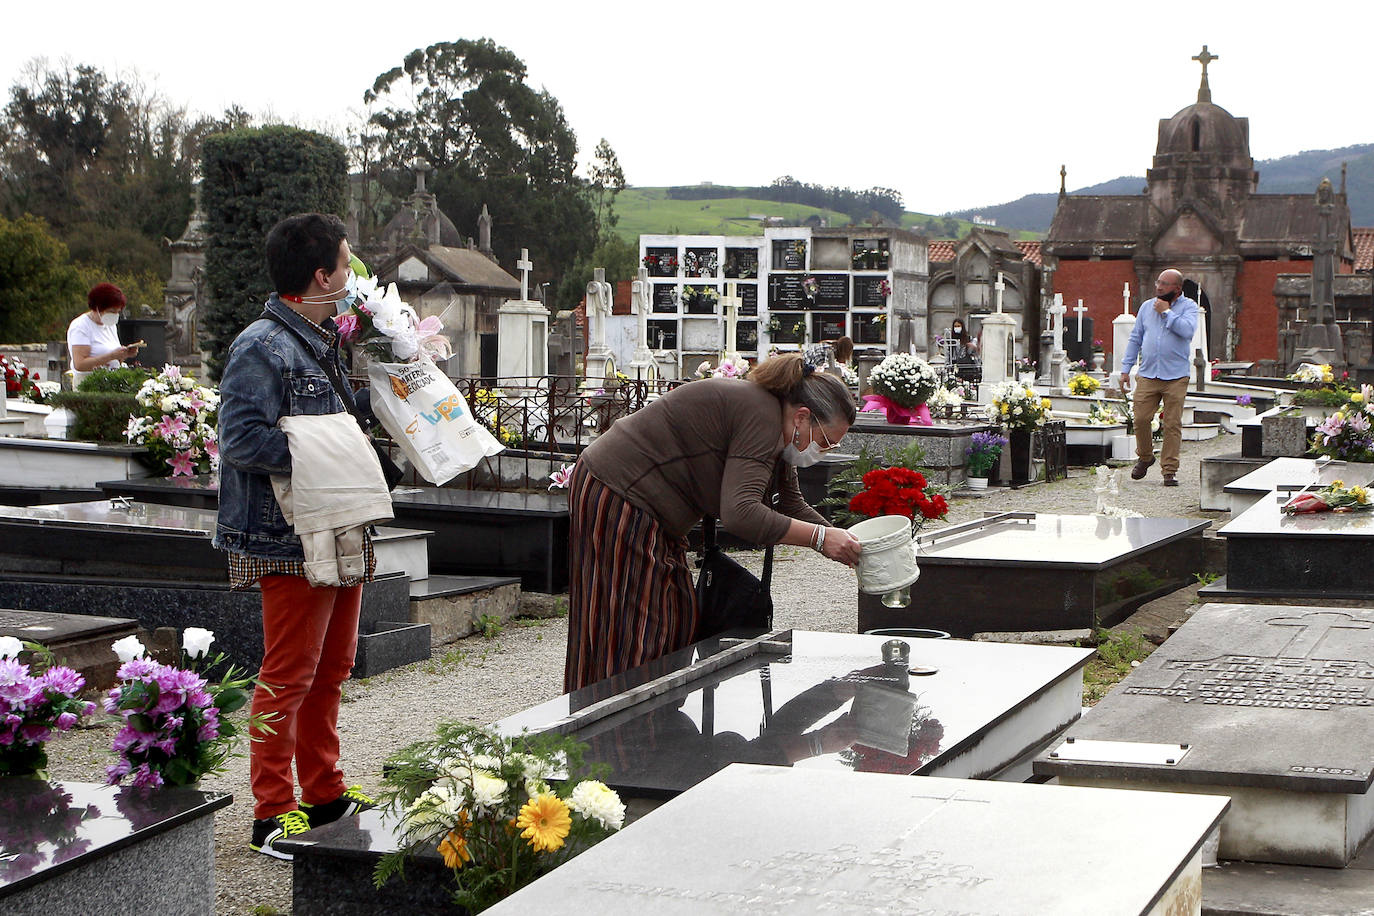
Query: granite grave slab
[1269,705]
[78,641]
[1028,571]
[860,842]
[1314,555]
[945,443]
[81,848]
[1245,491]
[824,701]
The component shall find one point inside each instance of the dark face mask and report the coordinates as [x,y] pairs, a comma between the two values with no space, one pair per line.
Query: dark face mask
[1169,296]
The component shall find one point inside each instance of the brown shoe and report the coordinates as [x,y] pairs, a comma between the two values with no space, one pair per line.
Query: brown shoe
[1140,468]
[1170,480]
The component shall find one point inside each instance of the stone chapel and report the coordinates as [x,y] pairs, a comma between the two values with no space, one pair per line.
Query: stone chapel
[1199,212]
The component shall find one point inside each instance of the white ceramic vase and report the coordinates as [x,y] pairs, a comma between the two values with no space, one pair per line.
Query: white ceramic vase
[887,565]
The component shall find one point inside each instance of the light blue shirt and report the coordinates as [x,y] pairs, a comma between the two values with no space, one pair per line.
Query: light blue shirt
[1163,343]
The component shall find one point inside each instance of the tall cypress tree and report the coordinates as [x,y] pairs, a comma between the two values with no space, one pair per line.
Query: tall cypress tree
[252,179]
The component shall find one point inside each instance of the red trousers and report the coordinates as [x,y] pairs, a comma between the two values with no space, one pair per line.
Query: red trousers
[309,636]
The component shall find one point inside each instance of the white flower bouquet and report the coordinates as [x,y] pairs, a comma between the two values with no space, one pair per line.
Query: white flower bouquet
[906,380]
[176,423]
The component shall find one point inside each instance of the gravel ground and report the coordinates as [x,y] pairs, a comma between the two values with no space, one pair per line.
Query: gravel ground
[480,680]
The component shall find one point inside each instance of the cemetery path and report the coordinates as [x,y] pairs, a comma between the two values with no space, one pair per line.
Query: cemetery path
[481,680]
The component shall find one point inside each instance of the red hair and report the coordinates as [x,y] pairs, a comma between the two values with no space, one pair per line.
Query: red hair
[105,297]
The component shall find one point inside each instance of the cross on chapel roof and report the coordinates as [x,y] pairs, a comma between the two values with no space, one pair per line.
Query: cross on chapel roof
[1204,91]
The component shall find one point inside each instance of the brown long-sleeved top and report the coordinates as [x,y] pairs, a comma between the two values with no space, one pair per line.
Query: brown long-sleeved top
[705,448]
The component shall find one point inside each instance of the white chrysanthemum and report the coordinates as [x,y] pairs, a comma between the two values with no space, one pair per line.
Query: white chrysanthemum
[485,762]
[487,791]
[593,799]
[536,787]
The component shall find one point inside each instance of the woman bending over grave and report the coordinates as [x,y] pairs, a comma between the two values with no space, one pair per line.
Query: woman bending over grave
[92,341]
[710,448]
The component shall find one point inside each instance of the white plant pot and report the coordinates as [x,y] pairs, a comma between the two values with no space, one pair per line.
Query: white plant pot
[976,483]
[1123,447]
[888,560]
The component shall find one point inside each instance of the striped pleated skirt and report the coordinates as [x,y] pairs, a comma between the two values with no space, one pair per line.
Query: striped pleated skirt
[631,596]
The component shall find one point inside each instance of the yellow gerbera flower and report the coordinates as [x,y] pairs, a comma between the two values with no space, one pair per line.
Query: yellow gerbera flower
[1360,493]
[1357,397]
[545,822]
[454,849]
[1046,403]
[1338,483]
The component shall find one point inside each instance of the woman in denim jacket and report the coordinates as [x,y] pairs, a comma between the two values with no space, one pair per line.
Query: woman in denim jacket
[310,634]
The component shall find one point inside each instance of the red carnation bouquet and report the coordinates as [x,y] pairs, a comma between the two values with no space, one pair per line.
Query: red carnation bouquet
[897,491]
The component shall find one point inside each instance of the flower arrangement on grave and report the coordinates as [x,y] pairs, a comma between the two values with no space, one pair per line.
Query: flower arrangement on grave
[696,264]
[497,807]
[662,266]
[1321,396]
[1348,433]
[176,423]
[1244,400]
[1024,365]
[386,328]
[1312,374]
[1077,365]
[901,385]
[33,705]
[561,478]
[898,491]
[799,248]
[1017,406]
[810,287]
[1104,414]
[1098,347]
[849,482]
[945,400]
[492,412]
[176,726]
[731,368]
[983,452]
[40,828]
[1336,497]
[884,288]
[23,383]
[1084,385]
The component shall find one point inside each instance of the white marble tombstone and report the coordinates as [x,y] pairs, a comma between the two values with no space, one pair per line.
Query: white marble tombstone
[1058,375]
[641,303]
[998,344]
[600,299]
[1122,325]
[522,341]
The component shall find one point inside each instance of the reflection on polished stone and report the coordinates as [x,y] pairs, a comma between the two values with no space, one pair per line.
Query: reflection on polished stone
[104,514]
[49,827]
[831,702]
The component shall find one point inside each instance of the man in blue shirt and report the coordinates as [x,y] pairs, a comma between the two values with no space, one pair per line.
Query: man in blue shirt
[1162,339]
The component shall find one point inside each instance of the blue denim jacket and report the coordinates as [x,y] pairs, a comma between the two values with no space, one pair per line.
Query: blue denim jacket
[268,374]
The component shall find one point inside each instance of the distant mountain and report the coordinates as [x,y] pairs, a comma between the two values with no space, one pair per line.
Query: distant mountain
[1296,174]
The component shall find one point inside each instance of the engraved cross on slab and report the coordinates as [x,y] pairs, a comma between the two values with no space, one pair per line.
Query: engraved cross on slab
[524,267]
[1315,628]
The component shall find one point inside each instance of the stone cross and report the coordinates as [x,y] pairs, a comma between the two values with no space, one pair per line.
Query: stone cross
[730,304]
[1204,92]
[421,167]
[1057,320]
[1125,298]
[1315,627]
[524,266]
[1080,310]
[1000,287]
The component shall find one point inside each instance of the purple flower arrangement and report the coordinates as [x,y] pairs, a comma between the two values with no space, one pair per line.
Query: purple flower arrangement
[175,727]
[32,707]
[983,452]
[1244,400]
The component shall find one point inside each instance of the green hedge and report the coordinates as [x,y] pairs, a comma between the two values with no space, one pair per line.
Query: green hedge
[254,178]
[99,415]
[126,380]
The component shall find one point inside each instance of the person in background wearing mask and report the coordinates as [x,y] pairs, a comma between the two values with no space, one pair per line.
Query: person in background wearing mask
[708,448]
[1161,339]
[92,341]
[275,368]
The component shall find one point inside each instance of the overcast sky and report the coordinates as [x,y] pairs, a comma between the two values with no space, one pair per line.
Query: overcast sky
[953,104]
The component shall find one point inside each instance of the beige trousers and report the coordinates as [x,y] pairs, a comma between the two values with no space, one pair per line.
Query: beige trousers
[1149,393]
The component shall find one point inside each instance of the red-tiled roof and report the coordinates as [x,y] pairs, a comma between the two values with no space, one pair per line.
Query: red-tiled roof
[1364,247]
[1030,250]
[941,250]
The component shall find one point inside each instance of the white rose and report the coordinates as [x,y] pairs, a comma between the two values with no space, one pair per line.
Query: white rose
[128,649]
[10,647]
[195,641]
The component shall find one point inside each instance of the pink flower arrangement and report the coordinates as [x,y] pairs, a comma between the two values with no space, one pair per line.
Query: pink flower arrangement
[176,423]
[33,706]
[561,478]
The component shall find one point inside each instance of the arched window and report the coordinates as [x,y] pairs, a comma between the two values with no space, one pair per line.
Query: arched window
[1197,134]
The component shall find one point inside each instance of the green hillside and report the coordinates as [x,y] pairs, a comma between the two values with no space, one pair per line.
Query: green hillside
[649,211]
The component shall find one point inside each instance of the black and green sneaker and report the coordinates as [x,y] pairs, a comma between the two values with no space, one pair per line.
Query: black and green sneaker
[350,802]
[268,830]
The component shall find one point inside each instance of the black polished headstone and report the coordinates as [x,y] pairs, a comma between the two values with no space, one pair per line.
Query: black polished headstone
[826,842]
[665,298]
[820,701]
[1322,554]
[1050,572]
[868,292]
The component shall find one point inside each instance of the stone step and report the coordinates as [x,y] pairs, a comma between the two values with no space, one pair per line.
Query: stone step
[1198,432]
[402,550]
[452,606]
[391,644]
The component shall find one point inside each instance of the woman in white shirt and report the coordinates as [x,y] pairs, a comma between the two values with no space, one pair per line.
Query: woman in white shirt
[92,339]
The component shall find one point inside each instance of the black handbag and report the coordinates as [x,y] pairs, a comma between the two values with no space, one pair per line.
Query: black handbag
[729,596]
[391,471]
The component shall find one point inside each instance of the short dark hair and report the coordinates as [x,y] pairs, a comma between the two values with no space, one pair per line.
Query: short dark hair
[300,245]
[105,297]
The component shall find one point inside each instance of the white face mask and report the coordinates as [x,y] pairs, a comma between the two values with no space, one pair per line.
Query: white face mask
[801,458]
[109,319]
